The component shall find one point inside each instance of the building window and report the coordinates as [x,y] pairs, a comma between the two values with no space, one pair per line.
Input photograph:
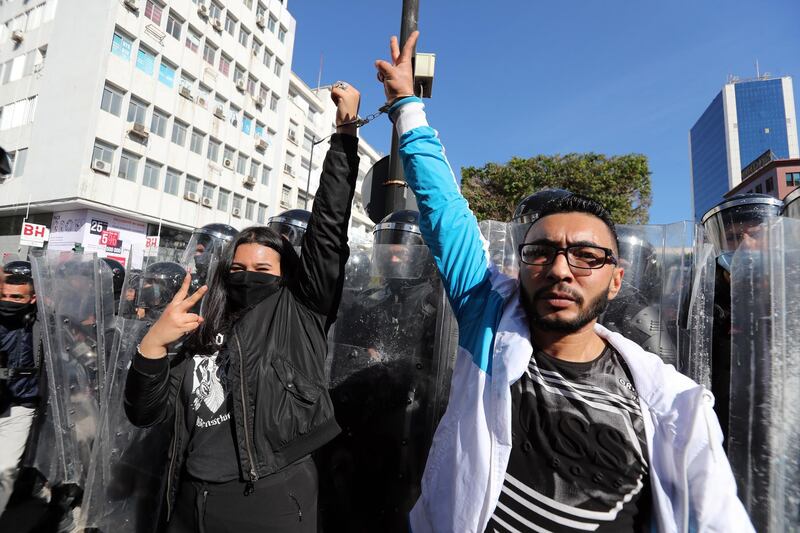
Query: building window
[209,53]
[166,74]
[238,73]
[222,200]
[792,178]
[153,12]
[19,162]
[261,10]
[759,190]
[213,150]
[237,203]
[241,164]
[196,142]
[179,133]
[770,185]
[151,172]
[103,152]
[247,124]
[282,34]
[273,102]
[233,115]
[256,48]
[308,140]
[172,182]
[278,67]
[286,196]
[271,23]
[262,214]
[267,57]
[137,110]
[252,86]
[192,40]
[248,4]
[305,164]
[174,25]
[128,164]
[208,190]
[265,171]
[158,124]
[224,64]
[121,46]
[255,167]
[145,60]
[230,24]
[111,101]
[192,184]
[215,10]
[249,212]
[244,36]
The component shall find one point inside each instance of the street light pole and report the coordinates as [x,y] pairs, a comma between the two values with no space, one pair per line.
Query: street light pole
[314,142]
[395,183]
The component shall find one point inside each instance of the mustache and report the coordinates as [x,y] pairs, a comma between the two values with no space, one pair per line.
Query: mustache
[561,288]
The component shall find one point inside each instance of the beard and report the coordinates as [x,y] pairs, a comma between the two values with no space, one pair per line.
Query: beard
[586,313]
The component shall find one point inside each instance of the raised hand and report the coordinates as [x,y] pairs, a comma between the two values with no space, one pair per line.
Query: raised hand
[397,77]
[347,100]
[176,321]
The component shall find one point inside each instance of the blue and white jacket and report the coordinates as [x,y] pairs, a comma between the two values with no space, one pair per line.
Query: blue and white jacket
[692,483]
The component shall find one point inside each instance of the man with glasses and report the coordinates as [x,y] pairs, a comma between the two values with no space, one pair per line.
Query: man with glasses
[554,422]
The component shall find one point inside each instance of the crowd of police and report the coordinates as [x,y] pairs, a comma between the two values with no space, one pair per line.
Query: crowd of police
[714,300]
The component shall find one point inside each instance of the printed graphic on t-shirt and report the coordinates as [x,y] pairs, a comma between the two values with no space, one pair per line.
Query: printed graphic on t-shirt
[208,394]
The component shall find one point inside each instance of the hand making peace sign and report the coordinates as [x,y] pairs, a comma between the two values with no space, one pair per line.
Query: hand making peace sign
[398,76]
[176,321]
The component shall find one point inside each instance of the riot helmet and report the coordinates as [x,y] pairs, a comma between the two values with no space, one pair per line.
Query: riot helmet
[22,268]
[117,276]
[527,211]
[740,220]
[158,285]
[204,246]
[291,224]
[791,204]
[399,251]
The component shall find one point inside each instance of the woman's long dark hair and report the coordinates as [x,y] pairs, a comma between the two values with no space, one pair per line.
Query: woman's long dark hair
[217,317]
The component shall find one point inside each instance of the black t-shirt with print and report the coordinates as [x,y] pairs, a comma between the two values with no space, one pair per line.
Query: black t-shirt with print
[579,456]
[212,452]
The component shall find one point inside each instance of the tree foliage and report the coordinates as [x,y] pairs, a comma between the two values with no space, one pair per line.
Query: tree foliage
[621,183]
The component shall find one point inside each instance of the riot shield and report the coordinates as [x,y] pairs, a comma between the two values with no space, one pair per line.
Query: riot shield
[499,236]
[72,319]
[764,428]
[387,376]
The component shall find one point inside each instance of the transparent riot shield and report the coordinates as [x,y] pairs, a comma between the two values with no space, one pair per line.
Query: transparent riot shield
[501,248]
[386,374]
[658,265]
[72,321]
[764,428]
[125,485]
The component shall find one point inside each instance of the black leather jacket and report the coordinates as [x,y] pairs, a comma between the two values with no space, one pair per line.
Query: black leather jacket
[281,407]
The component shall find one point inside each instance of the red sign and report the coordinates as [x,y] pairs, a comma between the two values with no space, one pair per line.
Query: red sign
[109,238]
[33,234]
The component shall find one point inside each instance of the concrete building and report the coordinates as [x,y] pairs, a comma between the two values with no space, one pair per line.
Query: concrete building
[743,121]
[769,175]
[135,118]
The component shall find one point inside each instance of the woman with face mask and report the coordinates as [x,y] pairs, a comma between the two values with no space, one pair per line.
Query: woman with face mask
[246,393]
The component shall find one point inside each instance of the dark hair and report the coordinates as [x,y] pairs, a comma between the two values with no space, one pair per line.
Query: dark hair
[217,317]
[19,279]
[576,203]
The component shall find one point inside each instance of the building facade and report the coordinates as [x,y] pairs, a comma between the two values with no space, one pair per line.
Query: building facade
[743,121]
[132,119]
[769,175]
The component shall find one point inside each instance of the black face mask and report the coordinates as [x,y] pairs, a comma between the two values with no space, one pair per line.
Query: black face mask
[15,310]
[246,289]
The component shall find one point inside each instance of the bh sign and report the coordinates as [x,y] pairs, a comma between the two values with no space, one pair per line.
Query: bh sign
[33,235]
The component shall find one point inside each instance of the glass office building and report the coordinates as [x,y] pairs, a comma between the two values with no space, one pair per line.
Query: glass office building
[743,121]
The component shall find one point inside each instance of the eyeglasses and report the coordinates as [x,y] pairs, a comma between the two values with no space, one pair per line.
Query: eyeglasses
[578,256]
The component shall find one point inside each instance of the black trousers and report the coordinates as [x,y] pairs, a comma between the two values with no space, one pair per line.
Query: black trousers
[285,502]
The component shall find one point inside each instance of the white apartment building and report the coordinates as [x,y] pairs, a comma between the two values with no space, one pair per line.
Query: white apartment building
[134,118]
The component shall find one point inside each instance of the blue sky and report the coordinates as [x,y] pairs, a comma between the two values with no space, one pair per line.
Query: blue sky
[518,78]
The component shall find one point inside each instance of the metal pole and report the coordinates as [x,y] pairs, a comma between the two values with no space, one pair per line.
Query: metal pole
[310,166]
[395,181]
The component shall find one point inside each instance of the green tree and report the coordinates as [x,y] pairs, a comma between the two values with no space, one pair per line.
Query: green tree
[621,183]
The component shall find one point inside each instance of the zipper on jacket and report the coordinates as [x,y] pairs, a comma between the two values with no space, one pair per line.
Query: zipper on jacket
[171,469]
[250,486]
[299,509]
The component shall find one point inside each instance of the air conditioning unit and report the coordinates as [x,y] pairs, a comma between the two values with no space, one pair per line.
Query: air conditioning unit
[101,166]
[219,112]
[206,201]
[261,22]
[288,169]
[133,5]
[138,129]
[260,101]
[202,9]
[201,101]
[216,24]
[17,36]
[186,92]
[240,84]
[236,212]
[228,163]
[249,181]
[261,144]
[191,196]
